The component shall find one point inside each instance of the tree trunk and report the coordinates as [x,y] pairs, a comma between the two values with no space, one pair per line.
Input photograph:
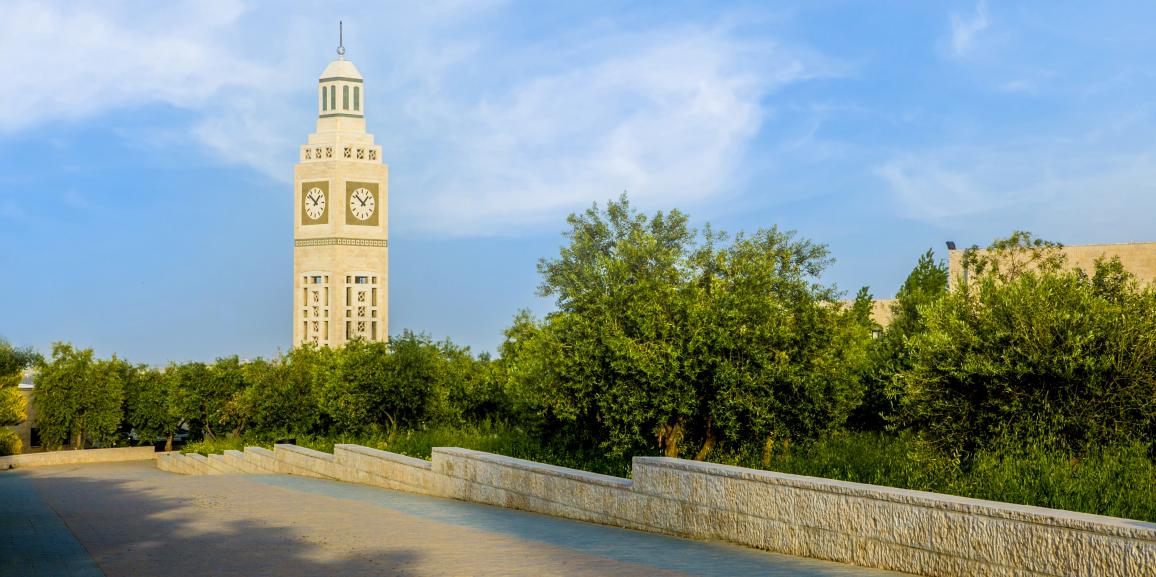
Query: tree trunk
[669,435]
[711,439]
[78,444]
[169,442]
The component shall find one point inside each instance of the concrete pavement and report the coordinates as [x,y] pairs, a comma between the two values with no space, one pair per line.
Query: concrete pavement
[129,519]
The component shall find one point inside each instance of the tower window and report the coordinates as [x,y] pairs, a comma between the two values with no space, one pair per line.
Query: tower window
[317,280]
[361,280]
[324,100]
[357,98]
[373,332]
[345,98]
[374,297]
[332,96]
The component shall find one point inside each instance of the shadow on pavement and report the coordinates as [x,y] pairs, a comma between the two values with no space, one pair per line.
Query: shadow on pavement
[135,529]
[137,521]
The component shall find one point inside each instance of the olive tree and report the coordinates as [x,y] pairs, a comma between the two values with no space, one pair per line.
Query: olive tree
[1035,352]
[151,403]
[665,340]
[78,398]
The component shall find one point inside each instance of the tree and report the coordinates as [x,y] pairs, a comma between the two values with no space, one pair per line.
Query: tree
[890,354]
[281,398]
[13,361]
[774,355]
[151,403]
[206,395]
[661,342]
[1008,258]
[77,398]
[1041,353]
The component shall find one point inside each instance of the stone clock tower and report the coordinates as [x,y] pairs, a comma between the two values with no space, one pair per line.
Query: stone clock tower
[340,220]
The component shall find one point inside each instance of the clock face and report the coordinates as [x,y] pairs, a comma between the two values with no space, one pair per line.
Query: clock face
[315,203]
[362,204]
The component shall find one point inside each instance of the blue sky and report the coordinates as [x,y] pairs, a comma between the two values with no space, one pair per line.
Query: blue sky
[146,153]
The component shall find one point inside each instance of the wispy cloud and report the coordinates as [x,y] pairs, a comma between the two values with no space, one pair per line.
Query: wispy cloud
[669,120]
[77,60]
[1063,189]
[666,113]
[966,29]
[925,189]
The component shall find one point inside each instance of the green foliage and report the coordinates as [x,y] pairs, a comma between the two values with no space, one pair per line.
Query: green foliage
[1101,479]
[659,338]
[890,353]
[13,362]
[151,403]
[1006,259]
[13,407]
[10,443]
[78,399]
[280,398]
[1030,383]
[1036,354]
[374,386]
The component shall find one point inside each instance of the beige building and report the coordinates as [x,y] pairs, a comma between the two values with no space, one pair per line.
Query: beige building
[340,220]
[1138,258]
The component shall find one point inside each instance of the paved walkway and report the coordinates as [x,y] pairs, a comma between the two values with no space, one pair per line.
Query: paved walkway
[129,519]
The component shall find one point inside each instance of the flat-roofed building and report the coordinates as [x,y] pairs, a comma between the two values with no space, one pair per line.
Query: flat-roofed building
[1138,258]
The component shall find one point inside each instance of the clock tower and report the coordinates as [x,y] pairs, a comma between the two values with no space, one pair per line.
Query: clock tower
[340,220]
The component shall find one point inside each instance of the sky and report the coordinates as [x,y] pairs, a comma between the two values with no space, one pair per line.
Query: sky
[147,149]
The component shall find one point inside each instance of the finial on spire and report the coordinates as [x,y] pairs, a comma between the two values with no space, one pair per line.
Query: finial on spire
[340,40]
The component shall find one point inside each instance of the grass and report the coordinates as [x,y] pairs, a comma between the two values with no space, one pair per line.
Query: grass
[1113,481]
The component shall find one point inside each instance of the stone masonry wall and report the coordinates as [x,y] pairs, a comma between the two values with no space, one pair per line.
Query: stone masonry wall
[865,525]
[69,457]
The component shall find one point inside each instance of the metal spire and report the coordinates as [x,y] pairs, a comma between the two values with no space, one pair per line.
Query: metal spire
[340,40]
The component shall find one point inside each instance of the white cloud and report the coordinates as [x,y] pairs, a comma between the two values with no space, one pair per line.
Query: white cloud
[1065,191]
[483,136]
[924,189]
[668,120]
[69,61]
[965,30]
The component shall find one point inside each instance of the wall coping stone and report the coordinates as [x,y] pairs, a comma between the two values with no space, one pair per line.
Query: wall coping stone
[385,456]
[259,451]
[535,467]
[995,509]
[70,456]
[305,451]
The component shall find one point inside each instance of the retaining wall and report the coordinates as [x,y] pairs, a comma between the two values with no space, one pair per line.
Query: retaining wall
[69,457]
[866,525]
